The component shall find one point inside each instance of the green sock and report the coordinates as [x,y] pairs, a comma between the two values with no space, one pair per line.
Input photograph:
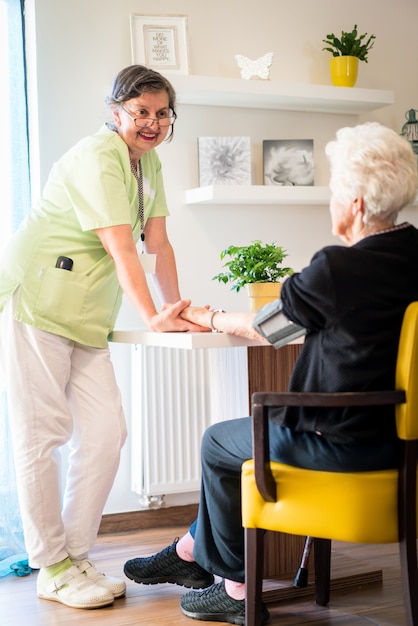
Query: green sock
[57,568]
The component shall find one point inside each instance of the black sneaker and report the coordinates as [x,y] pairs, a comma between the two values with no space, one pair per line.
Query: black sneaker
[167,567]
[215,605]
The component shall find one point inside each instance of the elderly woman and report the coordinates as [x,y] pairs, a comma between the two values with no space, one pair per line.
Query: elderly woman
[350,300]
[61,283]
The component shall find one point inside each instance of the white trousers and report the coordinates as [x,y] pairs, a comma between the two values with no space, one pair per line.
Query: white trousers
[60,392]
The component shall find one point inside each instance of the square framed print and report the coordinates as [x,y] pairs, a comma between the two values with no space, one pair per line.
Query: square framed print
[224,161]
[288,162]
[160,42]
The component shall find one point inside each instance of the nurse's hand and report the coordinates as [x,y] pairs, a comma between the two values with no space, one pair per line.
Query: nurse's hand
[170,320]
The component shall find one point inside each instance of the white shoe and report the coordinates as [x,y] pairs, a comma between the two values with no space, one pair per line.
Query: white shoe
[116,586]
[73,589]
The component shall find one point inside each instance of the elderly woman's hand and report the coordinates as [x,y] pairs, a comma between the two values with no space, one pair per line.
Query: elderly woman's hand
[239,323]
[200,315]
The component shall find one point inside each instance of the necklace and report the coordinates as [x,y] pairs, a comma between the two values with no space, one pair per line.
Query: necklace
[140,182]
[390,230]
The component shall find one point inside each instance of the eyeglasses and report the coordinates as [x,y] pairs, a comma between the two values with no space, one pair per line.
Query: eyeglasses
[146,122]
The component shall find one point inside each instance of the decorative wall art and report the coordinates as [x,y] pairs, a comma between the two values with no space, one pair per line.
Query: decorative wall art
[259,68]
[224,161]
[288,162]
[160,42]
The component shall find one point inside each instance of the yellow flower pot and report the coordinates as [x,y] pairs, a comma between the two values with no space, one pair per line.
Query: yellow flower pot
[260,294]
[344,70]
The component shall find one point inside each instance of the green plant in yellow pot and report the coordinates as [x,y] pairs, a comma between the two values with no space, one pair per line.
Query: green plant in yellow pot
[347,51]
[257,267]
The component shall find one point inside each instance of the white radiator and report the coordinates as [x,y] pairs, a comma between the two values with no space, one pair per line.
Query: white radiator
[176,395]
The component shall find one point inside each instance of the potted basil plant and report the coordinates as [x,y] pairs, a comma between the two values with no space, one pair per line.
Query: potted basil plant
[258,267]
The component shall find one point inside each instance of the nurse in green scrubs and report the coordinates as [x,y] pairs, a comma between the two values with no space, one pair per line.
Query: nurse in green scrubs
[62,276]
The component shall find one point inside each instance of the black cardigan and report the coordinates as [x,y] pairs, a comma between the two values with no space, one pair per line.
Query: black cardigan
[351,300]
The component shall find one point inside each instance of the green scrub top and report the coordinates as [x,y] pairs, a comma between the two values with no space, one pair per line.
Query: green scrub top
[91,186]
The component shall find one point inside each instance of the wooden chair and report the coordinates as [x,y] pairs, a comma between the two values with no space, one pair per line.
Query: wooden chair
[361,507]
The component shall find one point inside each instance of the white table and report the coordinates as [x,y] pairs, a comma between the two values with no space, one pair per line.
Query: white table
[186,341]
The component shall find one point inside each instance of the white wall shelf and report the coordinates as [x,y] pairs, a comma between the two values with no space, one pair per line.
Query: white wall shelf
[265,94]
[260,194]
[257,194]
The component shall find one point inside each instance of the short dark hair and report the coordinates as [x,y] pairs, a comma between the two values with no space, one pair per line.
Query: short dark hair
[134,80]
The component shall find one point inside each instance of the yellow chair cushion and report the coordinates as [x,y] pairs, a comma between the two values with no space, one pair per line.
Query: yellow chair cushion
[359,506]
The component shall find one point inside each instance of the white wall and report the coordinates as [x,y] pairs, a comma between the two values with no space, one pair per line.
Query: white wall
[82,44]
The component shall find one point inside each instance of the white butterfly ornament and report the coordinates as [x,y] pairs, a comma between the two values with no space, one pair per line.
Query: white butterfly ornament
[258,68]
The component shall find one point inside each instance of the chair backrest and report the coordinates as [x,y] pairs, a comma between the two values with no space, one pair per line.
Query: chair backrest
[407,375]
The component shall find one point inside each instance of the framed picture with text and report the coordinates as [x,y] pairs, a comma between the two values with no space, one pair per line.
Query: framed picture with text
[160,42]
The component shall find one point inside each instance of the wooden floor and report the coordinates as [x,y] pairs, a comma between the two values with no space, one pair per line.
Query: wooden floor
[379,604]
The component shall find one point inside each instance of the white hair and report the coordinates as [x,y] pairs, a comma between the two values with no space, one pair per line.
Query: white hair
[374,162]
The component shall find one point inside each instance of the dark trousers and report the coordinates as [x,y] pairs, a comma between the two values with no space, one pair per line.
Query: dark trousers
[218,532]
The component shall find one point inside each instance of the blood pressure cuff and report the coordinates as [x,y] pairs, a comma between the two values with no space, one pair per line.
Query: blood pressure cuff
[273,324]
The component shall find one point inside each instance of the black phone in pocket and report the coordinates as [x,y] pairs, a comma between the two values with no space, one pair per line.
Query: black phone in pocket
[64,263]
